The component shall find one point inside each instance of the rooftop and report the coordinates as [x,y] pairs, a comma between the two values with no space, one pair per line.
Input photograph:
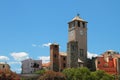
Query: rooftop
[46,64]
[54,43]
[78,18]
[63,53]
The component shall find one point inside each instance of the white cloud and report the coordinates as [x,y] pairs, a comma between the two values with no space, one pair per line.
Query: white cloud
[15,62]
[45,59]
[90,55]
[43,45]
[18,70]
[46,45]
[4,58]
[20,55]
[34,45]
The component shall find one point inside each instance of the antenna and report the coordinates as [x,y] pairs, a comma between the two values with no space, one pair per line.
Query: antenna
[77,11]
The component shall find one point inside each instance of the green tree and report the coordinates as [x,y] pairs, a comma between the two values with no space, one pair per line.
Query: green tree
[84,73]
[77,73]
[40,72]
[69,73]
[101,75]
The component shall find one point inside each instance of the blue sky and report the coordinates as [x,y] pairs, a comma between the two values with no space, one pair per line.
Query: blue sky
[27,26]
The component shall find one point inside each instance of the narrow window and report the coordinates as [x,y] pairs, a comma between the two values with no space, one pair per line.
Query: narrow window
[81,52]
[55,55]
[72,47]
[98,62]
[78,24]
[56,46]
[109,52]
[64,58]
[73,24]
[3,66]
[83,25]
[64,65]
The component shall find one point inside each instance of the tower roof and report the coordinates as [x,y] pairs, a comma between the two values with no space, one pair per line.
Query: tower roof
[78,18]
[54,43]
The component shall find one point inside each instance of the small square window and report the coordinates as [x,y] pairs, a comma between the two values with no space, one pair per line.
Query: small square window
[64,65]
[55,55]
[98,62]
[64,58]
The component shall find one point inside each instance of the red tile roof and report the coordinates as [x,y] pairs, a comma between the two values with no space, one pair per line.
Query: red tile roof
[46,64]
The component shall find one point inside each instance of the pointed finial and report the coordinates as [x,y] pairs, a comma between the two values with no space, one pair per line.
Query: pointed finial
[78,14]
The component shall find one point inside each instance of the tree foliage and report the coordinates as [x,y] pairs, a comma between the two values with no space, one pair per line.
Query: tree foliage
[101,75]
[40,72]
[9,76]
[51,75]
[69,73]
[85,74]
[82,73]
[77,73]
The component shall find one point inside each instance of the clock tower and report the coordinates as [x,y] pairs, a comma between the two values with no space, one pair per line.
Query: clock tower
[77,33]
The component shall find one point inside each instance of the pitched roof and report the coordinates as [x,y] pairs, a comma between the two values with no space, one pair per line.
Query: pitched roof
[80,61]
[78,18]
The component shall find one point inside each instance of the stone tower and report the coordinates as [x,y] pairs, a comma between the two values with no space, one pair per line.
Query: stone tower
[77,31]
[54,57]
[72,57]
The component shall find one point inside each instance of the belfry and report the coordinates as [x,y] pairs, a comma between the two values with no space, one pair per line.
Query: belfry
[77,42]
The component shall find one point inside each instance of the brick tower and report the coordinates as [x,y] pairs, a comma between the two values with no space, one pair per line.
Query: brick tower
[54,57]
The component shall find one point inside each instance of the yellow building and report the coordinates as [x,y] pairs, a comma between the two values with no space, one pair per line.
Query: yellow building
[4,67]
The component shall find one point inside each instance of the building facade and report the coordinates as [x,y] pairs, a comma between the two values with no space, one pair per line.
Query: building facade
[77,42]
[109,61]
[30,66]
[62,60]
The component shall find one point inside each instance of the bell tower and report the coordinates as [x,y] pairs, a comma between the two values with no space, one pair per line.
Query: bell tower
[77,32]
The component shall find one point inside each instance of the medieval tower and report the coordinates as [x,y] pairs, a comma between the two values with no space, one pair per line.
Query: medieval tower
[76,47]
[77,42]
[54,57]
